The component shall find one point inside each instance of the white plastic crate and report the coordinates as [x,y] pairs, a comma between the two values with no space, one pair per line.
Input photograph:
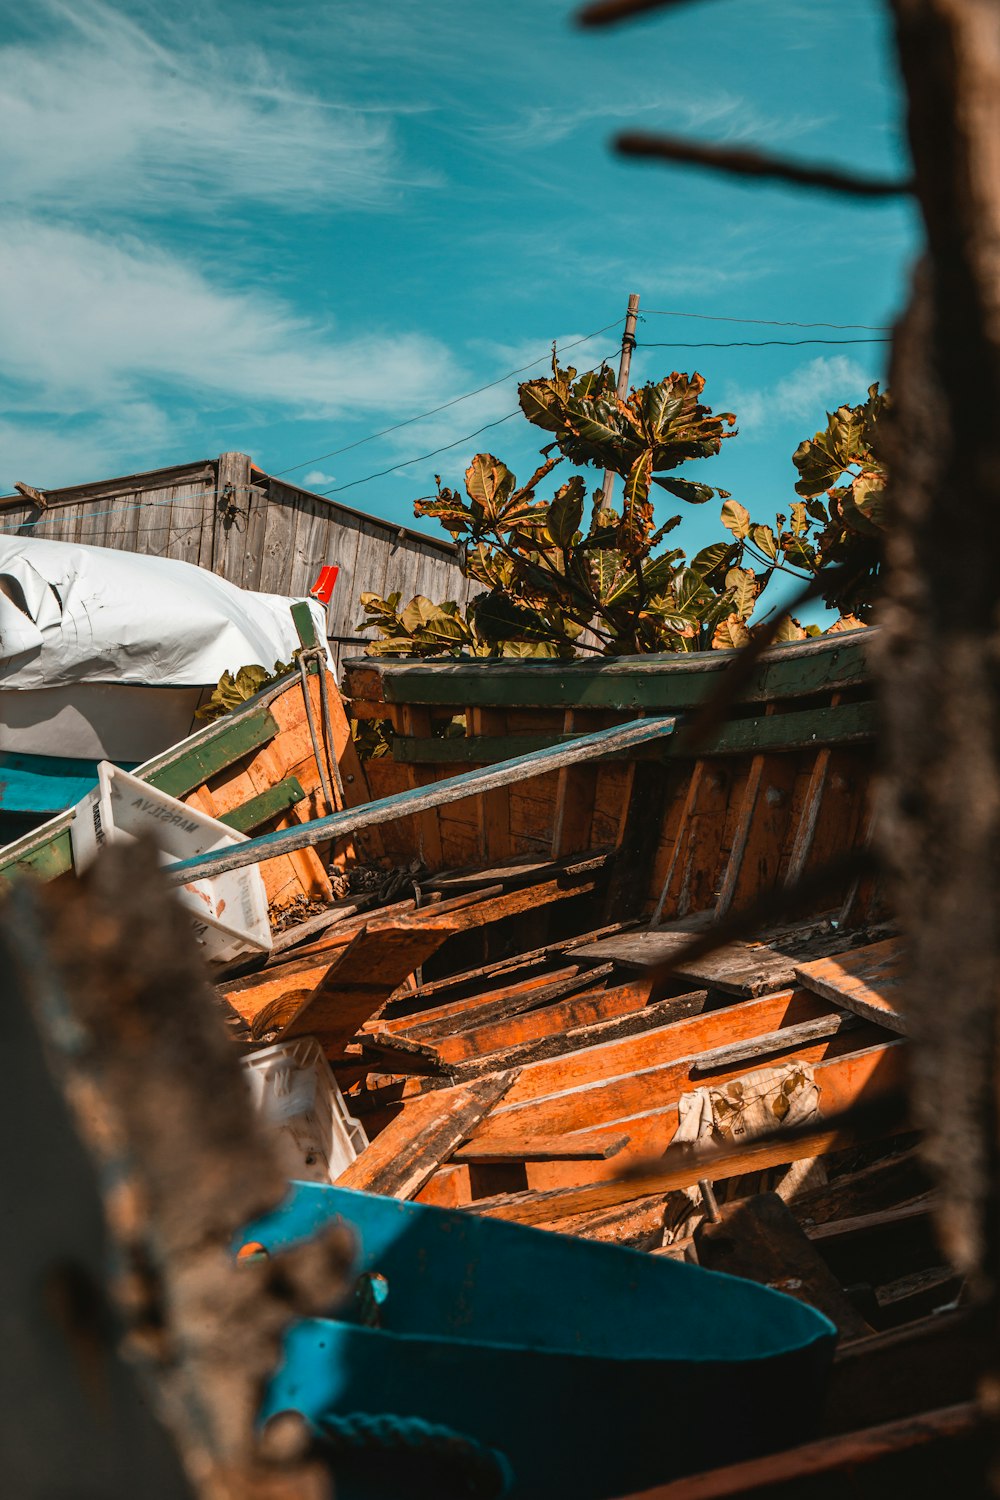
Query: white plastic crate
[295,1091]
[229,911]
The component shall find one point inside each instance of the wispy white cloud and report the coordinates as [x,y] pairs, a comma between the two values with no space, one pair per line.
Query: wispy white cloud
[90,325]
[806,392]
[85,320]
[99,112]
[719,113]
[316,479]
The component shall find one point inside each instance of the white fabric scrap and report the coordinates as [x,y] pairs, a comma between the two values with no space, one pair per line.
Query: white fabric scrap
[741,1110]
[94,614]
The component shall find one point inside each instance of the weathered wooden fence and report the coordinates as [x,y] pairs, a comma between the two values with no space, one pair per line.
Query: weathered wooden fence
[251,528]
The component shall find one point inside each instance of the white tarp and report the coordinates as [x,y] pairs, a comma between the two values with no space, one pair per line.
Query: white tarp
[92,614]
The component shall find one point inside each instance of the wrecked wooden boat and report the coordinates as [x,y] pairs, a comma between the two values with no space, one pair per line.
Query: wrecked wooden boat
[636,988]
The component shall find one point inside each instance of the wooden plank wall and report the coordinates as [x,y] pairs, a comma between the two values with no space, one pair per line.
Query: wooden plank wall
[228,516]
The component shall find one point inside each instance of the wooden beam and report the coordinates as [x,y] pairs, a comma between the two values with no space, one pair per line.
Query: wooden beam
[734,968]
[603,743]
[579,1147]
[401,1159]
[260,809]
[944,1449]
[658,684]
[585,1021]
[772,1041]
[672,1040]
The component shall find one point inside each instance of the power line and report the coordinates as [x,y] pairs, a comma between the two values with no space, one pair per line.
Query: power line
[335,452]
[765,344]
[339,489]
[658,312]
[422,457]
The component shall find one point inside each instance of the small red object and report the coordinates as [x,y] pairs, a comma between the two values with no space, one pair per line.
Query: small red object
[323,587]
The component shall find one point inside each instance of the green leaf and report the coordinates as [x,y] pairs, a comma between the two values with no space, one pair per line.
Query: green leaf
[498,617]
[489,482]
[566,512]
[742,585]
[713,558]
[736,518]
[764,539]
[686,489]
[637,483]
[540,406]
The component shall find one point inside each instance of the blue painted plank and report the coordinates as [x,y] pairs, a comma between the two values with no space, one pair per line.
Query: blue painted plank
[43,783]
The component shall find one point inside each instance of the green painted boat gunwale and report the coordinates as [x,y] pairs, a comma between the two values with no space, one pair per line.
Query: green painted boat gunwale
[842,724]
[668,682]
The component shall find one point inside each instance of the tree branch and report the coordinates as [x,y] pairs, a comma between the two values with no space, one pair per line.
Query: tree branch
[738,161]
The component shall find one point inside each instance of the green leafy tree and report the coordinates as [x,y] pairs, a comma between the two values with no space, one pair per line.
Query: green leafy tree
[839,522]
[570,573]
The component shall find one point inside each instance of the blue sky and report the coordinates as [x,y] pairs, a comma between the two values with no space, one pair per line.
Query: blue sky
[281,227]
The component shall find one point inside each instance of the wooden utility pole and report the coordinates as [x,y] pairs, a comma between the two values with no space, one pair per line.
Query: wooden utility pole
[624,365]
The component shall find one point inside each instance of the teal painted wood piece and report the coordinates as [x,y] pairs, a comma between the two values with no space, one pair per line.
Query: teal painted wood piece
[594,1369]
[44,784]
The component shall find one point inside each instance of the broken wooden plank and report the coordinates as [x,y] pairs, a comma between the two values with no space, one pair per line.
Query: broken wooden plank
[867,981]
[895,1179]
[684,1038]
[400,1160]
[638,1224]
[362,978]
[602,743]
[569,1026]
[772,1042]
[578,1147]
[647,1090]
[734,968]
[445,1020]
[505,966]
[561,1029]
[399,1055]
[378,950]
[462,1036]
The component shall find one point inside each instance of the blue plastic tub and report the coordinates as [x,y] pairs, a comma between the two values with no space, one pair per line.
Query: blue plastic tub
[593,1369]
